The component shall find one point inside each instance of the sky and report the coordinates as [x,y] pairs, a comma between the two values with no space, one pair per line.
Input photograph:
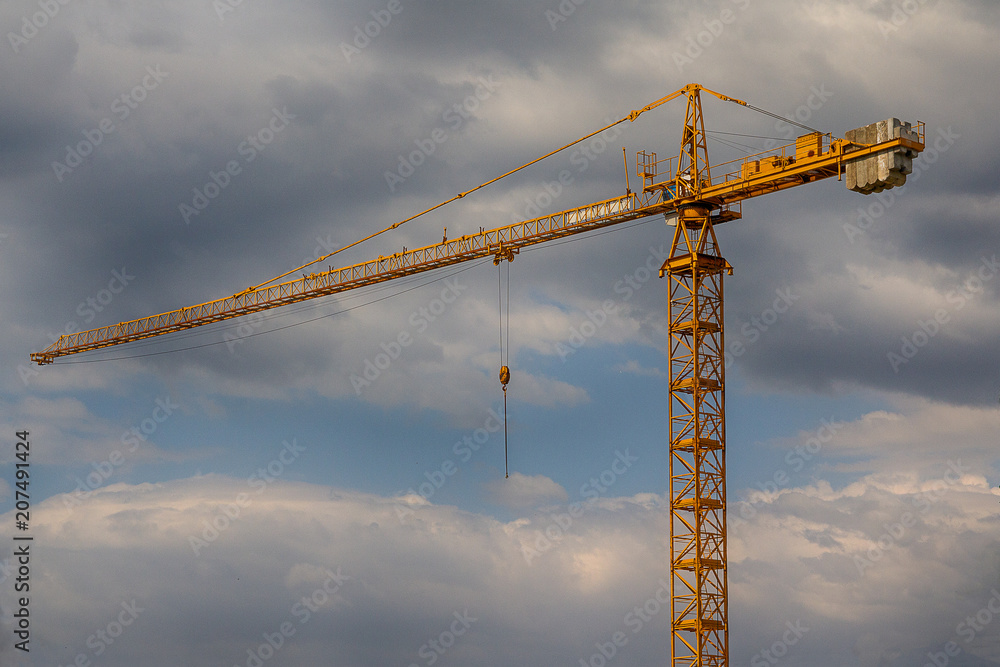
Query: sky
[235,495]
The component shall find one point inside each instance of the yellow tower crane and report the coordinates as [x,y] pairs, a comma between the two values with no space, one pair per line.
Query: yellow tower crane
[693,201]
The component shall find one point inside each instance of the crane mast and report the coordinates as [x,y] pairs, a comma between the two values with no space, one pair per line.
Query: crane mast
[697,423]
[873,158]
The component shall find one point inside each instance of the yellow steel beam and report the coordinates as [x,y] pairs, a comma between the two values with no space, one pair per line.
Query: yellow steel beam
[470,247]
[777,169]
[731,188]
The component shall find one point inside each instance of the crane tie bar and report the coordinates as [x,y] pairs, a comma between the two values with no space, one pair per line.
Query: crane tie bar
[690,88]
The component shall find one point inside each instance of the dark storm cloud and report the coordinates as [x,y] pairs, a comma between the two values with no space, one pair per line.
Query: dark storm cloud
[323,176]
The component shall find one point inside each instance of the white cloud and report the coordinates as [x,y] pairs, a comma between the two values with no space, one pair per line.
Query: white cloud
[797,560]
[259,555]
[909,563]
[919,437]
[69,432]
[521,491]
[633,367]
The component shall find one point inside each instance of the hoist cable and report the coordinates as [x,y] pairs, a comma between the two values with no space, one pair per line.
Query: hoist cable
[506,468]
[508,312]
[504,370]
[507,358]
[500,309]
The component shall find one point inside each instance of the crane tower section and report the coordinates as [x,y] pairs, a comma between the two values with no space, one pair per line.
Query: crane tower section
[875,157]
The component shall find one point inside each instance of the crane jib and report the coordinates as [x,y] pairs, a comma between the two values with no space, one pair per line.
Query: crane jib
[335,280]
[665,189]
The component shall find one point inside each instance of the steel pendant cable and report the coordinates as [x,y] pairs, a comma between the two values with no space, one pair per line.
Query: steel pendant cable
[504,350]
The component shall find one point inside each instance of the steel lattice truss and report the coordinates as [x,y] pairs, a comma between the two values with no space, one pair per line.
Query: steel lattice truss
[699,618]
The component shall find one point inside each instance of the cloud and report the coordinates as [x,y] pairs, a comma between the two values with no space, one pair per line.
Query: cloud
[521,491]
[74,434]
[356,117]
[259,556]
[834,560]
[839,559]
[633,367]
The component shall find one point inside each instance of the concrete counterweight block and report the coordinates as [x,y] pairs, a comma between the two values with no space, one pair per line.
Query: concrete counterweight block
[887,169]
